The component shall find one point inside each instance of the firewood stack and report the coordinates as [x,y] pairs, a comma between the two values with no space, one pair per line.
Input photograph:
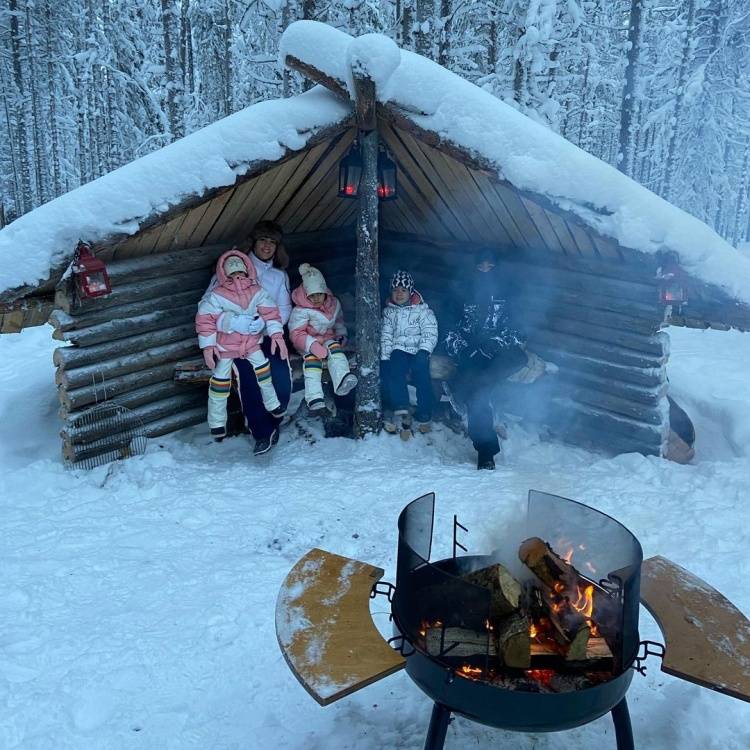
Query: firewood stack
[546,627]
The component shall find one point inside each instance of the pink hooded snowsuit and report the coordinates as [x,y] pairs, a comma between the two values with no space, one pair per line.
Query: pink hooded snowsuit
[242,296]
[309,323]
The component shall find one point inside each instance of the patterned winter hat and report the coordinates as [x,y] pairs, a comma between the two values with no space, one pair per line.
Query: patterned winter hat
[404,279]
[233,264]
[312,279]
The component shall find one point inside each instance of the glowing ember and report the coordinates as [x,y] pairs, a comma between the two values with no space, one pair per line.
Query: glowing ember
[533,632]
[541,675]
[472,673]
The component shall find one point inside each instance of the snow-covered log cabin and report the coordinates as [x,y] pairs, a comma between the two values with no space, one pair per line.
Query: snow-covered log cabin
[580,243]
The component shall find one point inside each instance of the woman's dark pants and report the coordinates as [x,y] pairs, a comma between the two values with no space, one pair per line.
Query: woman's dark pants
[259,421]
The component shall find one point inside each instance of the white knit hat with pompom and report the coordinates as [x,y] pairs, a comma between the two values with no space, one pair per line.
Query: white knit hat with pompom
[312,279]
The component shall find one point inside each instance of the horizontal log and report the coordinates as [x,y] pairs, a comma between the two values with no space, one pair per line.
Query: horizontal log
[612,443]
[71,357]
[137,291]
[591,300]
[597,368]
[550,309]
[648,397]
[131,363]
[64,323]
[641,270]
[568,413]
[156,265]
[640,412]
[652,345]
[116,446]
[139,396]
[581,282]
[25,313]
[603,351]
[77,433]
[79,397]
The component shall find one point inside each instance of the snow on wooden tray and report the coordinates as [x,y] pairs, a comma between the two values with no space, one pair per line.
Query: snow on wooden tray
[707,637]
[325,630]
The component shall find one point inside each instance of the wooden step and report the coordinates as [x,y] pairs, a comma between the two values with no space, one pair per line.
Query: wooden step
[325,630]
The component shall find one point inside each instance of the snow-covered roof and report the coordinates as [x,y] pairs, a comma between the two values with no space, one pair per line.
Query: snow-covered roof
[525,153]
[119,202]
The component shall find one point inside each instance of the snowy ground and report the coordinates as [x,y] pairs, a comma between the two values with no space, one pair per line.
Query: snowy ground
[138,599]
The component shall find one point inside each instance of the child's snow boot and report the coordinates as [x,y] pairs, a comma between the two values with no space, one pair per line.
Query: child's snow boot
[316,404]
[218,433]
[403,421]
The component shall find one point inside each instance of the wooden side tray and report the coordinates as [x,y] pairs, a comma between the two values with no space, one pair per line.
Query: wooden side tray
[707,638]
[325,630]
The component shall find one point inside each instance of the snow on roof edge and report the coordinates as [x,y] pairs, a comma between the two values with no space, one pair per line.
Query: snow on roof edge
[525,153]
[118,202]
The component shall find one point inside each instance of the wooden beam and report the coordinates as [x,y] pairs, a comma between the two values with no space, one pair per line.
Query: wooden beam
[367,401]
[318,76]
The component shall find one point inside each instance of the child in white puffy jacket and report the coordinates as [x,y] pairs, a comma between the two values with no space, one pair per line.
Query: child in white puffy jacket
[317,331]
[409,335]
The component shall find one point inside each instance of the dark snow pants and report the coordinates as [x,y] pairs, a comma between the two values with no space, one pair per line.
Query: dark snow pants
[258,420]
[393,376]
[476,380]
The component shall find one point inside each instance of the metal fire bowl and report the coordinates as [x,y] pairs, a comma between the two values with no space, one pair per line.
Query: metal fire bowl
[515,710]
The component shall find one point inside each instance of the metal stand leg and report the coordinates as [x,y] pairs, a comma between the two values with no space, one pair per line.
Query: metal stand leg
[623,730]
[441,717]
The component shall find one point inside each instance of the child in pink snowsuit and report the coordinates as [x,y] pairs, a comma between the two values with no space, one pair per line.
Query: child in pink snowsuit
[237,296]
[316,328]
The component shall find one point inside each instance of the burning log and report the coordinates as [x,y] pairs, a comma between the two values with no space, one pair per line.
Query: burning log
[597,656]
[549,567]
[514,641]
[459,642]
[504,588]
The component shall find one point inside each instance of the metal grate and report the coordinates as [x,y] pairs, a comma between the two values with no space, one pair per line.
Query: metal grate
[106,432]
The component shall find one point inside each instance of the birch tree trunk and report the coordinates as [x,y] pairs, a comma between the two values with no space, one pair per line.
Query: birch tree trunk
[174,98]
[629,102]
[53,129]
[25,202]
[670,165]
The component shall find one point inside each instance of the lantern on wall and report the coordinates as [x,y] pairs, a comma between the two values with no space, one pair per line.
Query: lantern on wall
[91,277]
[350,173]
[386,176]
[672,282]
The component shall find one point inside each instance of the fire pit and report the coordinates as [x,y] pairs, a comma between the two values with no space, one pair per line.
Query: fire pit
[537,633]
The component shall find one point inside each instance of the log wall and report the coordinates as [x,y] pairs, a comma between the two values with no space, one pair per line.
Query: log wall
[124,348]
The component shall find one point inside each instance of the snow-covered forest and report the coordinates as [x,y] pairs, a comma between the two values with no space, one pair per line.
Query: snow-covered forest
[659,88]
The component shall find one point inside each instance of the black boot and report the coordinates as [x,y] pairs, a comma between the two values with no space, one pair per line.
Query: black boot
[218,433]
[265,444]
[485,460]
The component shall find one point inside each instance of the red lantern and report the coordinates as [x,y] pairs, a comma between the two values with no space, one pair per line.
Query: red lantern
[350,173]
[386,176]
[92,279]
[672,282]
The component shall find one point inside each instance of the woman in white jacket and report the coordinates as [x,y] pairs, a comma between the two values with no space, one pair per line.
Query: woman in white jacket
[409,335]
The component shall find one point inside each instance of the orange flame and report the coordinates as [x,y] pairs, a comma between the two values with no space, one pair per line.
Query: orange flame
[533,632]
[472,673]
[585,601]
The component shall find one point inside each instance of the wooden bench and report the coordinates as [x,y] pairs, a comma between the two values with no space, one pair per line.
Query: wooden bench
[707,638]
[194,370]
[325,630]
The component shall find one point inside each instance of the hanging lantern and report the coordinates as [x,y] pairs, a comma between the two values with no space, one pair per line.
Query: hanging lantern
[672,283]
[350,173]
[92,279]
[386,176]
